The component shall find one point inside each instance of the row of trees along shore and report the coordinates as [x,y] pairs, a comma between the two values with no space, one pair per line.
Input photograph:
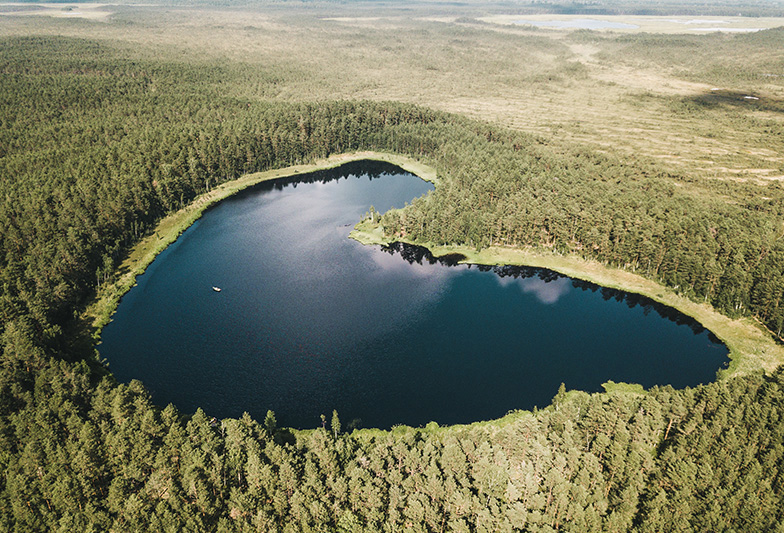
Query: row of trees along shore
[95,148]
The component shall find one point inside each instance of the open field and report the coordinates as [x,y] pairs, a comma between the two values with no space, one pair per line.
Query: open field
[638,24]
[76,10]
[629,92]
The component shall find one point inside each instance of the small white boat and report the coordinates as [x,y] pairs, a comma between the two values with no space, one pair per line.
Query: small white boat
[216,289]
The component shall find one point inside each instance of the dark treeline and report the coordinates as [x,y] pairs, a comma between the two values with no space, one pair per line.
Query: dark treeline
[371,169]
[419,254]
[95,148]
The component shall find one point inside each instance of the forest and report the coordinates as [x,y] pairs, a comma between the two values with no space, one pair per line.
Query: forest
[99,141]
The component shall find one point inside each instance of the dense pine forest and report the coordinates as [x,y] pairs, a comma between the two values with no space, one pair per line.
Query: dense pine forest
[97,146]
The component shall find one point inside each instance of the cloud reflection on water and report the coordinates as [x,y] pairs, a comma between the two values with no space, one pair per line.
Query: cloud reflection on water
[547,292]
[391,263]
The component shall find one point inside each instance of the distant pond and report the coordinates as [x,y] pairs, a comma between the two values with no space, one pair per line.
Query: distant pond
[308,320]
[578,23]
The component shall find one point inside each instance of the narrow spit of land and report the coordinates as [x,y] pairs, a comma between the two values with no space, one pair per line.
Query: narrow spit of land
[751,348]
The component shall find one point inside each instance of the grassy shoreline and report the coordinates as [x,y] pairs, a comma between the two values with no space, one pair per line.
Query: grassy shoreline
[99,311]
[752,349]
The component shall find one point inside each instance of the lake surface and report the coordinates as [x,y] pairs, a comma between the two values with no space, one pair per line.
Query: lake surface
[308,320]
[578,23]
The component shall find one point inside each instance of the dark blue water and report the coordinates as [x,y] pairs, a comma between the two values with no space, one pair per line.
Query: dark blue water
[308,320]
